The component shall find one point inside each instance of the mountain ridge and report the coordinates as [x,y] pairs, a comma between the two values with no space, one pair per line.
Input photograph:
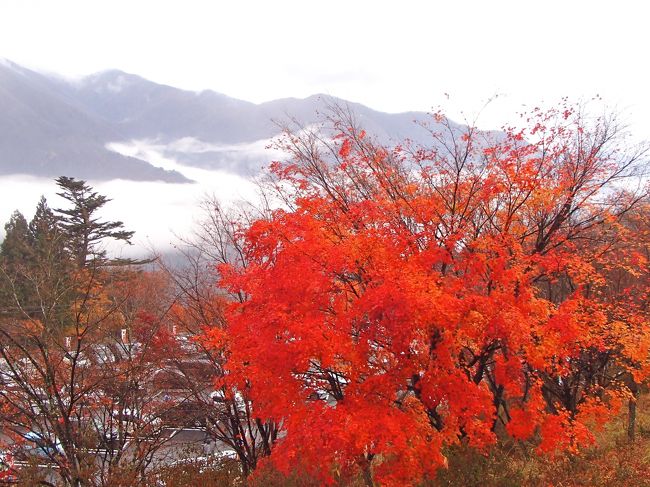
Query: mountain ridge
[50,126]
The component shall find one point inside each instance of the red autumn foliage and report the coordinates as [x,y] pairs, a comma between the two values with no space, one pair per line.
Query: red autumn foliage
[404,300]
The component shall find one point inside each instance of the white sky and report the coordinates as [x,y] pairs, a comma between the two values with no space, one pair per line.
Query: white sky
[388,55]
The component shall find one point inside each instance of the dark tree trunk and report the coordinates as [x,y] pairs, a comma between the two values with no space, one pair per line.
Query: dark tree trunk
[631,418]
[631,410]
[365,464]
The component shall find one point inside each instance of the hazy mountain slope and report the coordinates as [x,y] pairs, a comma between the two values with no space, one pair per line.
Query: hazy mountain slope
[144,109]
[50,126]
[43,133]
[386,127]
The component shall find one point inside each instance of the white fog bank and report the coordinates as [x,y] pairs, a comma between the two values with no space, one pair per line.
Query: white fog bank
[157,211]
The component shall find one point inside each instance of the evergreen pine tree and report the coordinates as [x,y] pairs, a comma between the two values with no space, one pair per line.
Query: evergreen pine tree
[81,226]
[46,236]
[15,258]
[51,266]
[16,246]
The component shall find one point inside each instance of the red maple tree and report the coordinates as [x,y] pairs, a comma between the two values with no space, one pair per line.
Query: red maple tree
[407,299]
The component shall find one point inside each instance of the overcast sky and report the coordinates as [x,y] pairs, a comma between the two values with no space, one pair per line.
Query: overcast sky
[392,57]
[388,55]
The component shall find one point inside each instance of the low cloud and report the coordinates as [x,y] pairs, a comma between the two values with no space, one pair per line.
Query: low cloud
[188,154]
[156,211]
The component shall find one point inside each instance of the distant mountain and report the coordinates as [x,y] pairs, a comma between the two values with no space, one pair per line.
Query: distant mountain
[142,108]
[52,127]
[43,132]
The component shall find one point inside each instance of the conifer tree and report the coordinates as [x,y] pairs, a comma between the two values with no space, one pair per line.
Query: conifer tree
[16,248]
[82,227]
[15,257]
[46,236]
[50,266]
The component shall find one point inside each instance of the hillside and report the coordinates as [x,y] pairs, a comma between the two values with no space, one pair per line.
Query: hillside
[50,126]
